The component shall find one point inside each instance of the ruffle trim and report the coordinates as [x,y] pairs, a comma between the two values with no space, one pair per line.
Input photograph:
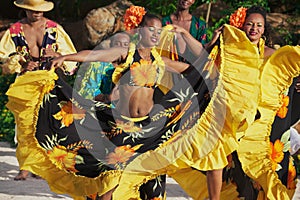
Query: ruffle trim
[232,107]
[25,97]
[254,148]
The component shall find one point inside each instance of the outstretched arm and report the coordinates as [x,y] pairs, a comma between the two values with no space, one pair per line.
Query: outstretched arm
[192,43]
[175,66]
[107,55]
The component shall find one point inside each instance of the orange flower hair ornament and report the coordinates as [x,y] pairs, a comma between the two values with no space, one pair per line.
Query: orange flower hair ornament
[237,18]
[133,17]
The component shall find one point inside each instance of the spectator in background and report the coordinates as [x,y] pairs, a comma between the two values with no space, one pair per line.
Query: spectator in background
[182,17]
[97,82]
[31,43]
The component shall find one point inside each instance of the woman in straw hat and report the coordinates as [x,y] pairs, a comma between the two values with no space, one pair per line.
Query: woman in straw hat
[31,42]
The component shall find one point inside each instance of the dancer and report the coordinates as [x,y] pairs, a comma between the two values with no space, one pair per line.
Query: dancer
[255,28]
[182,17]
[32,42]
[93,149]
[98,163]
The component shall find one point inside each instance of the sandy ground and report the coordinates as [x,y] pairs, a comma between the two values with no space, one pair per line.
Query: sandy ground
[37,189]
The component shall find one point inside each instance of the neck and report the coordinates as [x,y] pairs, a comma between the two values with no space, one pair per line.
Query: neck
[145,53]
[145,48]
[35,23]
[182,14]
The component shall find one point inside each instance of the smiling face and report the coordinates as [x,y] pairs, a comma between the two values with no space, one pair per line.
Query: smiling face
[254,27]
[185,4]
[150,33]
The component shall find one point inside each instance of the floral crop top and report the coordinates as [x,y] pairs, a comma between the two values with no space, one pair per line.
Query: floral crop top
[139,72]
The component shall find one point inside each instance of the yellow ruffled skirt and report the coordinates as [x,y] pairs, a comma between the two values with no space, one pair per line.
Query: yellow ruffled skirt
[244,85]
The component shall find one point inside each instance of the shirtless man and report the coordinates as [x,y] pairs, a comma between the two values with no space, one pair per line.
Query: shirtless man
[35,40]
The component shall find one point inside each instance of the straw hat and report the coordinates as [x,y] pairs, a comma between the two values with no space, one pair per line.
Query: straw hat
[35,5]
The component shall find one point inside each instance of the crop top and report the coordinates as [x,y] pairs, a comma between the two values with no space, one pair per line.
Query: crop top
[139,72]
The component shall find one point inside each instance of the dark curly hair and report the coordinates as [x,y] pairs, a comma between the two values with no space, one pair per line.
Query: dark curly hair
[148,16]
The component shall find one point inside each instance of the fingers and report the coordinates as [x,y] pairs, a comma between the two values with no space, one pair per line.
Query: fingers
[32,66]
[49,52]
[297,87]
[56,63]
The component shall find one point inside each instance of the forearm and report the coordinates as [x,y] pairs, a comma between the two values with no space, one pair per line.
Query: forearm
[175,66]
[108,55]
[194,45]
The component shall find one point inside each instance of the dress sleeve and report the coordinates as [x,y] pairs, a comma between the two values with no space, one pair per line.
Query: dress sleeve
[9,62]
[7,46]
[65,46]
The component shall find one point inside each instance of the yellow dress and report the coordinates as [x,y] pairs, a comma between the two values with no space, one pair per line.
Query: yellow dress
[243,86]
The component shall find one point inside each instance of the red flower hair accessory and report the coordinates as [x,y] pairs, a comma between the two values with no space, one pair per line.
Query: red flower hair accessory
[133,17]
[237,19]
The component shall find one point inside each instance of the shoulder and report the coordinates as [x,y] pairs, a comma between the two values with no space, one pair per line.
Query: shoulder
[268,51]
[51,23]
[16,27]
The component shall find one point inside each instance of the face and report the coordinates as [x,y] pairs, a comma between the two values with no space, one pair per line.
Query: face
[185,4]
[34,16]
[150,33]
[120,40]
[254,27]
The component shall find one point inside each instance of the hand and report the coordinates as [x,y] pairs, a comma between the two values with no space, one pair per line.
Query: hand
[178,29]
[30,66]
[209,46]
[49,52]
[57,62]
[297,86]
[217,34]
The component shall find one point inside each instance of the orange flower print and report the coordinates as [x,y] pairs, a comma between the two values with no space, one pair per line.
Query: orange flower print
[276,153]
[133,17]
[283,109]
[68,113]
[120,155]
[63,158]
[291,184]
[156,198]
[237,19]
[93,196]
[143,73]
[128,127]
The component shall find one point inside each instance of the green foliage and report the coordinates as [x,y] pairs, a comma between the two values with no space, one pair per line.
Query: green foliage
[163,7]
[7,123]
[248,3]
[159,7]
